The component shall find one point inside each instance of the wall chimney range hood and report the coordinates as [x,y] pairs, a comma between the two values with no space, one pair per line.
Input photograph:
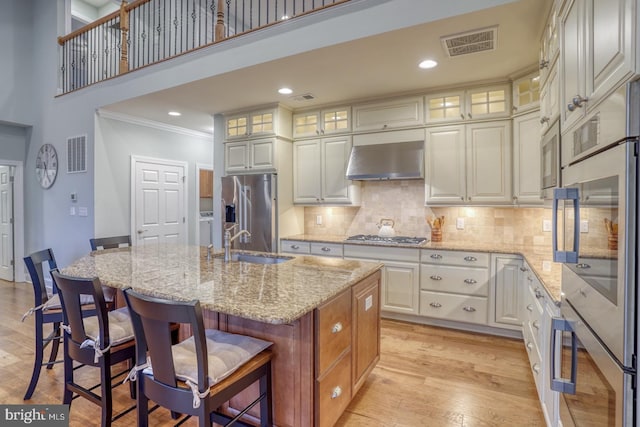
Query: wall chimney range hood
[399,160]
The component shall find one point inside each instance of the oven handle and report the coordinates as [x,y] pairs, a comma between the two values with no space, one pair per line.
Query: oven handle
[560,384]
[573,195]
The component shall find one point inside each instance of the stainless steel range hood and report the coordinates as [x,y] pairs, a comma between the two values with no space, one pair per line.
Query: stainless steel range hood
[401,160]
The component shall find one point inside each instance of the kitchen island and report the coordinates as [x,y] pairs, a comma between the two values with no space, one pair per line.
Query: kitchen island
[322,314]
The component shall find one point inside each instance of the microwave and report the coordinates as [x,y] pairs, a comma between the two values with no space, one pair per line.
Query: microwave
[550,158]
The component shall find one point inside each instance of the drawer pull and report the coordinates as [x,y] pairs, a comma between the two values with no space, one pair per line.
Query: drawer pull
[536,368]
[583,265]
[536,324]
[539,294]
[295,247]
[336,328]
[325,249]
[336,392]
[468,309]
[530,308]
[470,281]
[529,346]
[470,258]
[435,277]
[523,269]
[436,256]
[435,304]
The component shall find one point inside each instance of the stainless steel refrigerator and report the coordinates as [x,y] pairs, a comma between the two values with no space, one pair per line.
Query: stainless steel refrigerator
[249,202]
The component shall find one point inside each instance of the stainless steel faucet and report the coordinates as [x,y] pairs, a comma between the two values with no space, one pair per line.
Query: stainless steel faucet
[228,239]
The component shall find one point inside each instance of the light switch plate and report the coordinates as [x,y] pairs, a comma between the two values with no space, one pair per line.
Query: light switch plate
[318,219]
[460,223]
[72,210]
[546,225]
[584,226]
[82,211]
[368,302]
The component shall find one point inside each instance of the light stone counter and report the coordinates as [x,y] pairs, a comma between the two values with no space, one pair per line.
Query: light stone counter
[534,255]
[273,293]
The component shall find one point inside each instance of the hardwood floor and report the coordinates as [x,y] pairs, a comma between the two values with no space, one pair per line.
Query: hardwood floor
[426,376]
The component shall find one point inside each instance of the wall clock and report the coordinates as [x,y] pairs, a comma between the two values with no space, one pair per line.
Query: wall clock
[46,165]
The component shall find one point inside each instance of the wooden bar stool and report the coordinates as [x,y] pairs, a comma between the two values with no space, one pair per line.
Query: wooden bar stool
[196,376]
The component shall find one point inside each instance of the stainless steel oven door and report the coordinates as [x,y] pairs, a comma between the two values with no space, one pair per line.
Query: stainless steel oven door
[550,159]
[597,229]
[596,391]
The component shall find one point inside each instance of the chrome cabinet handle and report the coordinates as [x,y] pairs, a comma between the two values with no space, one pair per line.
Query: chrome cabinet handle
[539,293]
[470,281]
[536,368]
[536,324]
[579,100]
[529,346]
[296,247]
[470,258]
[583,265]
[336,328]
[468,309]
[470,116]
[462,116]
[544,119]
[571,107]
[336,392]
[530,308]
[435,277]
[435,304]
[436,256]
[523,269]
[544,64]
[325,249]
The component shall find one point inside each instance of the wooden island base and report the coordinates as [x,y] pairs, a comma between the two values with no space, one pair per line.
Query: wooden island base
[321,360]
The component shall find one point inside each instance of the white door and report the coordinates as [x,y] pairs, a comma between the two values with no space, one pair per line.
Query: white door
[159,203]
[6,224]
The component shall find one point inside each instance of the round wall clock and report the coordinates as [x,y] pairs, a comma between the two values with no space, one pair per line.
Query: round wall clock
[46,165]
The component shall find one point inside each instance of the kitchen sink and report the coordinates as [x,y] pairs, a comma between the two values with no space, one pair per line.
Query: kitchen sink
[257,259]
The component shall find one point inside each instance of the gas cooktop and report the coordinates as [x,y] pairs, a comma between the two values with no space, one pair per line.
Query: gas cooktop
[398,240]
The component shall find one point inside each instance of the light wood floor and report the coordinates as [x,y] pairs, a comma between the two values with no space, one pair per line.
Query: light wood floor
[426,376]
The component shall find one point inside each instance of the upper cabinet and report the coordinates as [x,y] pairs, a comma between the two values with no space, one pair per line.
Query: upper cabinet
[252,156]
[322,122]
[597,53]
[526,93]
[527,186]
[472,104]
[550,43]
[269,121]
[395,113]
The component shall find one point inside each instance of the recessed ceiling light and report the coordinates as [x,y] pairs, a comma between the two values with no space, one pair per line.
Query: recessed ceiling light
[285,91]
[428,63]
[175,113]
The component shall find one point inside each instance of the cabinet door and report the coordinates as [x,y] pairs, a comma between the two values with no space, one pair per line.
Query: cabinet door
[445,107]
[509,290]
[400,287]
[526,159]
[335,155]
[306,171]
[262,154]
[549,100]
[236,157]
[488,102]
[366,332]
[445,165]
[572,62]
[237,126]
[526,93]
[262,123]
[306,124]
[388,114]
[206,183]
[489,163]
[335,120]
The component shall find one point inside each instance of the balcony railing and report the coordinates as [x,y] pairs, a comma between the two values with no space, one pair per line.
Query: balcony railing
[156,30]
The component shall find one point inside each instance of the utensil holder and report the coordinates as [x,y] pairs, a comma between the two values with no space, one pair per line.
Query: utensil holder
[436,235]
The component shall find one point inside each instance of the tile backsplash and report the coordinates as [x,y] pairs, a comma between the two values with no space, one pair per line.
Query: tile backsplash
[403,202]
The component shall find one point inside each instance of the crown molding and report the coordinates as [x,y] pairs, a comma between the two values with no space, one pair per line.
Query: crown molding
[151,123]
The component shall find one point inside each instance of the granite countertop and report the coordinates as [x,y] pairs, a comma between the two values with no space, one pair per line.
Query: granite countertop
[270,293]
[535,256]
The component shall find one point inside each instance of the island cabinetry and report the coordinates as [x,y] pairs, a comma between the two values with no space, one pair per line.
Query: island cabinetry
[400,275]
[389,114]
[366,329]
[454,285]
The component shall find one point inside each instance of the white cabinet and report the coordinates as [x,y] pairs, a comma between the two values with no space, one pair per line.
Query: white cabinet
[319,172]
[549,43]
[250,156]
[322,122]
[273,120]
[299,247]
[526,159]
[454,285]
[597,53]
[400,275]
[550,100]
[526,93]
[507,291]
[326,249]
[389,114]
[472,104]
[468,164]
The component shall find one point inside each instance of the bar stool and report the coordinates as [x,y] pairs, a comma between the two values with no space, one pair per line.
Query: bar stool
[100,341]
[109,242]
[196,376]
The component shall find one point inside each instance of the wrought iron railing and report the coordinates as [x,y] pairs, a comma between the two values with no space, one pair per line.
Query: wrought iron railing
[156,30]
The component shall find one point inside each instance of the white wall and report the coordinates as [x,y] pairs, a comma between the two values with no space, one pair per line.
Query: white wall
[13,142]
[116,141]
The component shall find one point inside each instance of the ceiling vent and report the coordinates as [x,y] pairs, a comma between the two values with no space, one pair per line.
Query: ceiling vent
[77,154]
[304,97]
[470,42]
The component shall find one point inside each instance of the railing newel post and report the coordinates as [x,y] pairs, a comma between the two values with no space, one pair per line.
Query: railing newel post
[124,31]
[220,22]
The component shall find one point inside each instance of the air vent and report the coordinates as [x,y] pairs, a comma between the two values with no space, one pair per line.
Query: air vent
[470,42]
[304,97]
[77,154]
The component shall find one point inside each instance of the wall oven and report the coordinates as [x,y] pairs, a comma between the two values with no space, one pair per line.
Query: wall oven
[595,236]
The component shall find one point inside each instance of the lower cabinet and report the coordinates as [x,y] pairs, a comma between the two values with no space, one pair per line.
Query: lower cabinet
[507,291]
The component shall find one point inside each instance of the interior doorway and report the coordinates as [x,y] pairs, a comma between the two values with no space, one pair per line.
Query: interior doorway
[11,221]
[204,207]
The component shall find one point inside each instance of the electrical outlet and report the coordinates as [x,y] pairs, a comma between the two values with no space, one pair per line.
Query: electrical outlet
[460,223]
[584,226]
[546,225]
[546,265]
[82,211]
[318,219]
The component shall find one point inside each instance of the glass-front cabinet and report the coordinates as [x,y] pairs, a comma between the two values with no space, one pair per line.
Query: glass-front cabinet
[472,104]
[322,122]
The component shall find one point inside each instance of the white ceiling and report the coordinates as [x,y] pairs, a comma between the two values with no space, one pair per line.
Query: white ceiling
[381,65]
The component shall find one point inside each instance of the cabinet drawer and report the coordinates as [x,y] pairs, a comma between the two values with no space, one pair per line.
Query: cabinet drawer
[326,249]
[464,259]
[458,280]
[463,308]
[295,247]
[333,392]
[333,333]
